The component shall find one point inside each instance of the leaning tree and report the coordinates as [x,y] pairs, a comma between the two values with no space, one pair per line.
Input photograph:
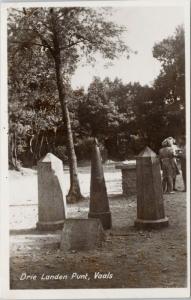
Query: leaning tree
[64,36]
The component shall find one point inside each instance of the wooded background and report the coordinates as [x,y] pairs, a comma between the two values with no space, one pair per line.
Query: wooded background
[123,117]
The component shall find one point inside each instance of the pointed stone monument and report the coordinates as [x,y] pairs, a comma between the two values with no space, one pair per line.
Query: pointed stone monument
[51,193]
[150,206]
[99,203]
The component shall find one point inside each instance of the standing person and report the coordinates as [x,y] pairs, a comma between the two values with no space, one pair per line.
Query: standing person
[182,156]
[171,142]
[169,166]
[176,149]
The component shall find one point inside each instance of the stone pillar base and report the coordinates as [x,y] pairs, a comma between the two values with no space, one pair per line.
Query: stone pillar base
[81,235]
[50,226]
[105,218]
[151,224]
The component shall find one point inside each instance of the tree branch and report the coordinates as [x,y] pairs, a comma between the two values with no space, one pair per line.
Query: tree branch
[71,45]
[45,43]
[80,40]
[31,43]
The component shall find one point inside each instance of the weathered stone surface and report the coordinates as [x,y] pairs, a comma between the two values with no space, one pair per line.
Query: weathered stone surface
[99,203]
[128,170]
[51,193]
[81,234]
[150,206]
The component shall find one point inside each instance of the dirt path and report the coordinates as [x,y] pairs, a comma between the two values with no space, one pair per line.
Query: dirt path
[134,259]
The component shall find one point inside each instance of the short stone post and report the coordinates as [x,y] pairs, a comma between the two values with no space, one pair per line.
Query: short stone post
[81,235]
[51,193]
[128,170]
[99,203]
[150,206]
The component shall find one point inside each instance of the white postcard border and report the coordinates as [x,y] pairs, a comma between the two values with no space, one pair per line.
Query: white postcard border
[4,189]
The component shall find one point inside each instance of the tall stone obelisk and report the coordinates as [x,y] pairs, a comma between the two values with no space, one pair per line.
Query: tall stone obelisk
[99,203]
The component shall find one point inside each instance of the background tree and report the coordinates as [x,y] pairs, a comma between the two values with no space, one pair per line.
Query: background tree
[101,113]
[170,85]
[64,35]
[124,117]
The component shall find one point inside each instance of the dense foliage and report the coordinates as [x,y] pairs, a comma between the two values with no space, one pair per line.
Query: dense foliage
[124,117]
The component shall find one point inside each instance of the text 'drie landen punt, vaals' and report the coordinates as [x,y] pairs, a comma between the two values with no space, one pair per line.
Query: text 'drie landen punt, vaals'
[73,276]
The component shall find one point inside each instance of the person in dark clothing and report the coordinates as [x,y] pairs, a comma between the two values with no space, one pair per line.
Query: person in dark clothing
[182,156]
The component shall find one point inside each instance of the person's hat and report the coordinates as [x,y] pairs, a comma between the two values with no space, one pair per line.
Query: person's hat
[168,141]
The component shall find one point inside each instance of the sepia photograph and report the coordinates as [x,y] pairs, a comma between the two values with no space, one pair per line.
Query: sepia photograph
[97,141]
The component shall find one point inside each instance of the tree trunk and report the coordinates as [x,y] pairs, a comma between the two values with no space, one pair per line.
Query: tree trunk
[40,146]
[74,194]
[13,152]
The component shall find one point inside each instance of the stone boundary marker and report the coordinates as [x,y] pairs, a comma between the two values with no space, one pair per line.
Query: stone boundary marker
[51,193]
[99,202]
[128,170]
[150,204]
[81,235]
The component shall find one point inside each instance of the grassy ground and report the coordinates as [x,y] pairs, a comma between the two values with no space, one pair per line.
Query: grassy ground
[133,258]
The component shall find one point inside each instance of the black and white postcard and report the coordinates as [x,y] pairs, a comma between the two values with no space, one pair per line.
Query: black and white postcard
[95,149]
